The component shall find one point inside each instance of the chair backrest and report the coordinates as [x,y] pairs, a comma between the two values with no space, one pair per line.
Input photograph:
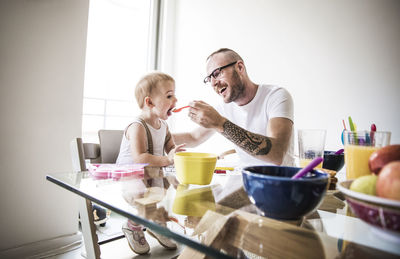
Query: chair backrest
[110,142]
[82,151]
[78,158]
[105,152]
[92,152]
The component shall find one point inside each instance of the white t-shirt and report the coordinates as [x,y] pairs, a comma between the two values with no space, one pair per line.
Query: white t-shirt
[158,137]
[270,102]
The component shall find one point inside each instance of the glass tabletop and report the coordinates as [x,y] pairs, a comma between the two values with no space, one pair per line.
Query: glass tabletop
[219,220]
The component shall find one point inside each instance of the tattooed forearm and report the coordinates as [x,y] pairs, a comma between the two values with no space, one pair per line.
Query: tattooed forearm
[252,143]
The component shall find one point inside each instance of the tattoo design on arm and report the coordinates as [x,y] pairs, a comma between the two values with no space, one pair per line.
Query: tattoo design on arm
[254,144]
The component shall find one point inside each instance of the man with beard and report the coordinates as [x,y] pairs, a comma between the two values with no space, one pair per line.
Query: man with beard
[257,119]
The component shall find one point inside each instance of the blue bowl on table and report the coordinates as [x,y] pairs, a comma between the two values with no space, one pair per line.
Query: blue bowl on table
[332,161]
[278,196]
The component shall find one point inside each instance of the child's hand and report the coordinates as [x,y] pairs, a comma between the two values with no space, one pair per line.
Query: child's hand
[176,149]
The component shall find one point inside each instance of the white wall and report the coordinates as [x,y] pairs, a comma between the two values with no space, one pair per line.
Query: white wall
[338,58]
[42,50]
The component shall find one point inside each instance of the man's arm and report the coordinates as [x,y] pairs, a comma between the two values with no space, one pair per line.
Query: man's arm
[270,148]
[194,138]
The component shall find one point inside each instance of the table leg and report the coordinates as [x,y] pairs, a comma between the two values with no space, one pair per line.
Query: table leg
[88,229]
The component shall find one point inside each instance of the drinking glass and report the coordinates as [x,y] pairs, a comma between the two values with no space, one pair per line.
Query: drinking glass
[311,145]
[358,147]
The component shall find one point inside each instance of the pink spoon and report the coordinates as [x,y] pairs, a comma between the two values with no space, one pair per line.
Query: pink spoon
[180,109]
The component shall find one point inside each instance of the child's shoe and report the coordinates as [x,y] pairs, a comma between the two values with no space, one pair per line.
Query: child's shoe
[135,236]
[100,215]
[164,241]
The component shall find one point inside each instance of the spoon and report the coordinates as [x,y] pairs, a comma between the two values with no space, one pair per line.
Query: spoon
[180,109]
[316,161]
[340,151]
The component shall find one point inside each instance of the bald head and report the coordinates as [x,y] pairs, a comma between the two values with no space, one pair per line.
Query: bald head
[235,83]
[229,54]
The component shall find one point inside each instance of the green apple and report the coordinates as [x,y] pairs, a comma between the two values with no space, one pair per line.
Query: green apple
[365,184]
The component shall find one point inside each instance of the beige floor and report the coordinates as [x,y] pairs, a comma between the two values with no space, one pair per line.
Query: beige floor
[119,249]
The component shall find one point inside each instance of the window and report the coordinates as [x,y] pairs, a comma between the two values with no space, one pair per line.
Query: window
[116,57]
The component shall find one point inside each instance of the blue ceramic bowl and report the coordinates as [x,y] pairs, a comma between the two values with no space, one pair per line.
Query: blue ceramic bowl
[278,196]
[332,161]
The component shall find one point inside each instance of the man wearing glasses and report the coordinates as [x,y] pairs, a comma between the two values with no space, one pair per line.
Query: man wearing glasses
[258,119]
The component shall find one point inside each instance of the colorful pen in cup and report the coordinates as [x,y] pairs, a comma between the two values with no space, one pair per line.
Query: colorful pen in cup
[373,129]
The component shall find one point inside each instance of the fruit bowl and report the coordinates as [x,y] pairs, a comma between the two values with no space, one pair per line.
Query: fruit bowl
[379,212]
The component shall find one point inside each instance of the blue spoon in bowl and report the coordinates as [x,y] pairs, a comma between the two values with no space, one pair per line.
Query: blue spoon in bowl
[316,161]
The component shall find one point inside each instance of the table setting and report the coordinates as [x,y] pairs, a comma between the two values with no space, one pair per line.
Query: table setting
[226,211]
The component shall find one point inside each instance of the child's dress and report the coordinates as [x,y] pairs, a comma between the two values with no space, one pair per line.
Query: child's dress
[156,141]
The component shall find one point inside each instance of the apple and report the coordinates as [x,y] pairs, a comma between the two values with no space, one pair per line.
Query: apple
[388,183]
[365,184]
[382,156]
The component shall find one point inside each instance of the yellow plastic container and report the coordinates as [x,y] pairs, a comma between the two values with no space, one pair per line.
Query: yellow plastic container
[193,202]
[195,168]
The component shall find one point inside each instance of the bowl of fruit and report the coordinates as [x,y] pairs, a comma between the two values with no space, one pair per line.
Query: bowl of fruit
[375,198]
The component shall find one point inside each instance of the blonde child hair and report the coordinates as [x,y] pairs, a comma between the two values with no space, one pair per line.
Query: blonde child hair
[147,84]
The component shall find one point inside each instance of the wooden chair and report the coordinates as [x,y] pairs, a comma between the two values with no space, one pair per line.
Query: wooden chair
[105,152]
[80,152]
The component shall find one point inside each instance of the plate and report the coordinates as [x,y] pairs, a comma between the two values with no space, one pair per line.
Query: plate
[116,172]
[382,213]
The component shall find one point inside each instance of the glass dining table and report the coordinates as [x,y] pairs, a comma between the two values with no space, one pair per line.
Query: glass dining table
[219,221]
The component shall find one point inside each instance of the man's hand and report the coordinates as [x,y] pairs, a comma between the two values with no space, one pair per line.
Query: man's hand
[206,116]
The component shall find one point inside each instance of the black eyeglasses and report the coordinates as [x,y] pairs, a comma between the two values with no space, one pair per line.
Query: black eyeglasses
[217,72]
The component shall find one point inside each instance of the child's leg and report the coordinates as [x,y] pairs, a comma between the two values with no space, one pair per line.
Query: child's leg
[135,237]
[164,241]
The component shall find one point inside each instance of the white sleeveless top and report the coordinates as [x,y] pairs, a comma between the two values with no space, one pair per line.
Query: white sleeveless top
[157,135]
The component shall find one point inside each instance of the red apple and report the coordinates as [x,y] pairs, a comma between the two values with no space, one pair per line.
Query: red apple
[382,156]
[388,183]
